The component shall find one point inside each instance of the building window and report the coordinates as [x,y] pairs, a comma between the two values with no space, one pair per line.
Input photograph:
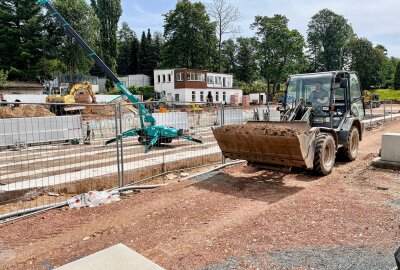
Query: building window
[217,97]
[196,77]
[159,78]
[169,77]
[210,79]
[163,78]
[179,77]
[176,97]
[201,96]
[224,82]
[229,82]
[217,80]
[223,96]
[193,95]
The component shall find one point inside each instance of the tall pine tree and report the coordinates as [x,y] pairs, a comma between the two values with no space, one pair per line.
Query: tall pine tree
[144,55]
[125,40]
[134,55]
[21,40]
[108,12]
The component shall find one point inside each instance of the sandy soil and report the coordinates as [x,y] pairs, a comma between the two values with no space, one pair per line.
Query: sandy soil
[24,111]
[241,212]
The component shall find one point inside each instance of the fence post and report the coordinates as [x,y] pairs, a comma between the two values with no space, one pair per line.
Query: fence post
[121,145]
[222,122]
[384,111]
[117,143]
[391,110]
[370,115]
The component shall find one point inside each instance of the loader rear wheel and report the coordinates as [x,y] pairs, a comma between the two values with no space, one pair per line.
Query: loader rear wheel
[324,157]
[350,152]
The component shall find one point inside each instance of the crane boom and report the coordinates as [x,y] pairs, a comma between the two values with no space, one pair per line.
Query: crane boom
[145,115]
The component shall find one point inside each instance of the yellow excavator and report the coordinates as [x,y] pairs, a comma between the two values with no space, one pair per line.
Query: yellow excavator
[371,100]
[79,93]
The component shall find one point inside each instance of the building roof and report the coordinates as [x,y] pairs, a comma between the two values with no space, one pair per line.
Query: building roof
[22,85]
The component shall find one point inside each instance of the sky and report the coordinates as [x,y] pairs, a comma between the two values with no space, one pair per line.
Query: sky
[377,21]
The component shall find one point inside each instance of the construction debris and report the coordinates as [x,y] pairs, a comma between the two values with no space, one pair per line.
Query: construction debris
[93,199]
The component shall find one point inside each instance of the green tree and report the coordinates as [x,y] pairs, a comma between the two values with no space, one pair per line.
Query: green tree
[229,56]
[327,34]
[108,12]
[224,15]
[155,45]
[134,54]
[397,77]
[361,56]
[125,40]
[387,67]
[279,49]
[3,78]
[49,69]
[144,67]
[245,64]
[190,39]
[21,27]
[82,18]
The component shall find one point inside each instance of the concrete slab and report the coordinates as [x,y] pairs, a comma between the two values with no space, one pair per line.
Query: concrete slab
[118,257]
[391,147]
[379,163]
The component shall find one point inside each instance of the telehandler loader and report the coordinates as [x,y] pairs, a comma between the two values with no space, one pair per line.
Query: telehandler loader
[323,120]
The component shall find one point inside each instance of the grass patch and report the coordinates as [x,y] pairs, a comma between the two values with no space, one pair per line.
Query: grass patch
[387,94]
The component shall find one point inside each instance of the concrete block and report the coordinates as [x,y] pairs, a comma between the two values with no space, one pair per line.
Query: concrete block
[379,163]
[118,257]
[234,116]
[391,147]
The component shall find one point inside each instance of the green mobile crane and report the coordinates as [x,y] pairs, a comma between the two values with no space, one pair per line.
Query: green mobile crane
[149,133]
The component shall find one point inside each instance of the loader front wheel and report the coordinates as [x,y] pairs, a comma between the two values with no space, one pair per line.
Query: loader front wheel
[324,157]
[350,152]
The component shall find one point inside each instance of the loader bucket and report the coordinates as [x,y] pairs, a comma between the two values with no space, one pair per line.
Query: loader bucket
[277,143]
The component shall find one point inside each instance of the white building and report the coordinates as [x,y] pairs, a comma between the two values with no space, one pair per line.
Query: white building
[193,85]
[128,80]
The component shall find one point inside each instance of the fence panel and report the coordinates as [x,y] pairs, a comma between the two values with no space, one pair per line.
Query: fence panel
[49,153]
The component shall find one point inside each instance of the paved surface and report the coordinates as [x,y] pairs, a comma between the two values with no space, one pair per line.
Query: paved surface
[118,257]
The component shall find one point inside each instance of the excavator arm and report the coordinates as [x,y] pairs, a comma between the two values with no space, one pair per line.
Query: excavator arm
[86,86]
[145,115]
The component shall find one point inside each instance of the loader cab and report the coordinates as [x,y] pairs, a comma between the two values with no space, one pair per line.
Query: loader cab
[331,96]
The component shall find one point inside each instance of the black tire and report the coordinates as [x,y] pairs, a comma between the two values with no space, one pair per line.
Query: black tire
[325,152]
[350,152]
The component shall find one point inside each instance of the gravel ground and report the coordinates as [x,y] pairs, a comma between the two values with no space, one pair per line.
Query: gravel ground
[318,258]
[238,218]
[343,258]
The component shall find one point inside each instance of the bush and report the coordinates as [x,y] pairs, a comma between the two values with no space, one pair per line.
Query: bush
[397,77]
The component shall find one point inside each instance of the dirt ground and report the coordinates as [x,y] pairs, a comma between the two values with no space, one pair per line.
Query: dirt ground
[24,111]
[237,218]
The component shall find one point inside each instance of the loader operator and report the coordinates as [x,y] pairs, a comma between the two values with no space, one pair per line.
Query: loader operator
[318,97]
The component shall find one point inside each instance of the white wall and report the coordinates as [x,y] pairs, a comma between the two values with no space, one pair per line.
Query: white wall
[257,96]
[129,80]
[160,84]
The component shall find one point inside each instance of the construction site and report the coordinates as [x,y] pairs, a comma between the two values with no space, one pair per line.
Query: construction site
[307,178]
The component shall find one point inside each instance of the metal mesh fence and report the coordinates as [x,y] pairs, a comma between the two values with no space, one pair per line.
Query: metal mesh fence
[49,152]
